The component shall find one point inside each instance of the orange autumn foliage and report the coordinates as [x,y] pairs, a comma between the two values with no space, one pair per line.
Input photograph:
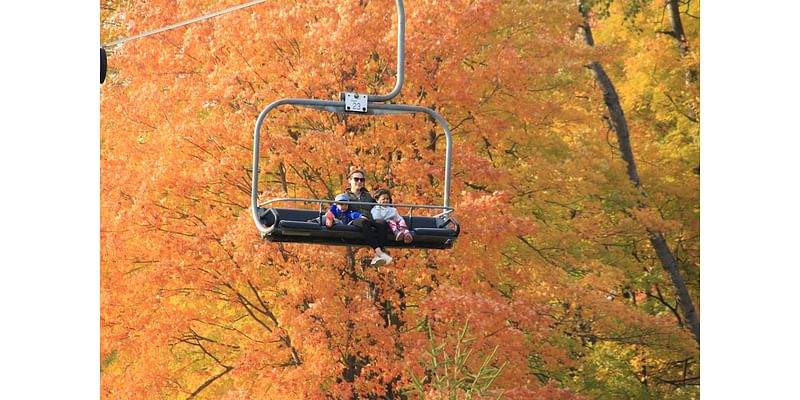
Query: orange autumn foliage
[195,304]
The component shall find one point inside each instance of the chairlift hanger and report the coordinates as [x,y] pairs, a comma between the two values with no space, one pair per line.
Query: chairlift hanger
[293,225]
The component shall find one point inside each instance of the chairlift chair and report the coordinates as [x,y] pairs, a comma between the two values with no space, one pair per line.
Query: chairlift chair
[305,225]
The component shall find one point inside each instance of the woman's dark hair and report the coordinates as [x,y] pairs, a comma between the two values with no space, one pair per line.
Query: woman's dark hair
[380,192]
[350,175]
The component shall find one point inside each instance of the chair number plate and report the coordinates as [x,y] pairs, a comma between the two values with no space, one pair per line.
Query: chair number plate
[355,102]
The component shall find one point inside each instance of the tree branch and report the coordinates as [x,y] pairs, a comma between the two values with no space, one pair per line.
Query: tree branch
[209,382]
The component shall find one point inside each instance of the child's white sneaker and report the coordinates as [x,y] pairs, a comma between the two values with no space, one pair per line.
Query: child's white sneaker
[377,261]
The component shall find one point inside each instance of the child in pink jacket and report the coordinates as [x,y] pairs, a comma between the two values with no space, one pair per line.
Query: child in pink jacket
[396,223]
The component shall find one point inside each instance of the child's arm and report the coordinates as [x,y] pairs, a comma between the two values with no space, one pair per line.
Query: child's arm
[332,213]
[376,214]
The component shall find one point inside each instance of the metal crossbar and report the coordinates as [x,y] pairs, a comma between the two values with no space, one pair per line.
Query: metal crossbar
[323,201]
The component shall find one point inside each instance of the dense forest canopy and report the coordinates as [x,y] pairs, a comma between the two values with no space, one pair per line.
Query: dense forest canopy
[575,179]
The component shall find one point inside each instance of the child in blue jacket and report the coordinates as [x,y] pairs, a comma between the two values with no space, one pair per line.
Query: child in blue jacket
[341,213]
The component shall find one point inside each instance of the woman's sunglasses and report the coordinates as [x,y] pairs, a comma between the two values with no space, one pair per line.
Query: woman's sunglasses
[358,179]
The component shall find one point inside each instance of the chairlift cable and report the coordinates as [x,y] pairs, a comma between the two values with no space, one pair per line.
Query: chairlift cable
[187,22]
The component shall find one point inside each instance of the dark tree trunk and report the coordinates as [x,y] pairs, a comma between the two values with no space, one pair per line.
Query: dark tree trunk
[679,35]
[677,27]
[282,176]
[671,266]
[618,122]
[620,127]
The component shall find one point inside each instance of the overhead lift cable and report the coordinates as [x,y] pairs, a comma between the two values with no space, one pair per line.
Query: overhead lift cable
[103,54]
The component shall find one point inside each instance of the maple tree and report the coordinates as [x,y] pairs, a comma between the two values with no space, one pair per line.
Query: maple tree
[554,270]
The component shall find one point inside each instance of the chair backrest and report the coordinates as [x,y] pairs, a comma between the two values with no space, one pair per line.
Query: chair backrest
[293,214]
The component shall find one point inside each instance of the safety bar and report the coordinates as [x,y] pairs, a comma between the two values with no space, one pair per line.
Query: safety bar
[448,209]
[339,108]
